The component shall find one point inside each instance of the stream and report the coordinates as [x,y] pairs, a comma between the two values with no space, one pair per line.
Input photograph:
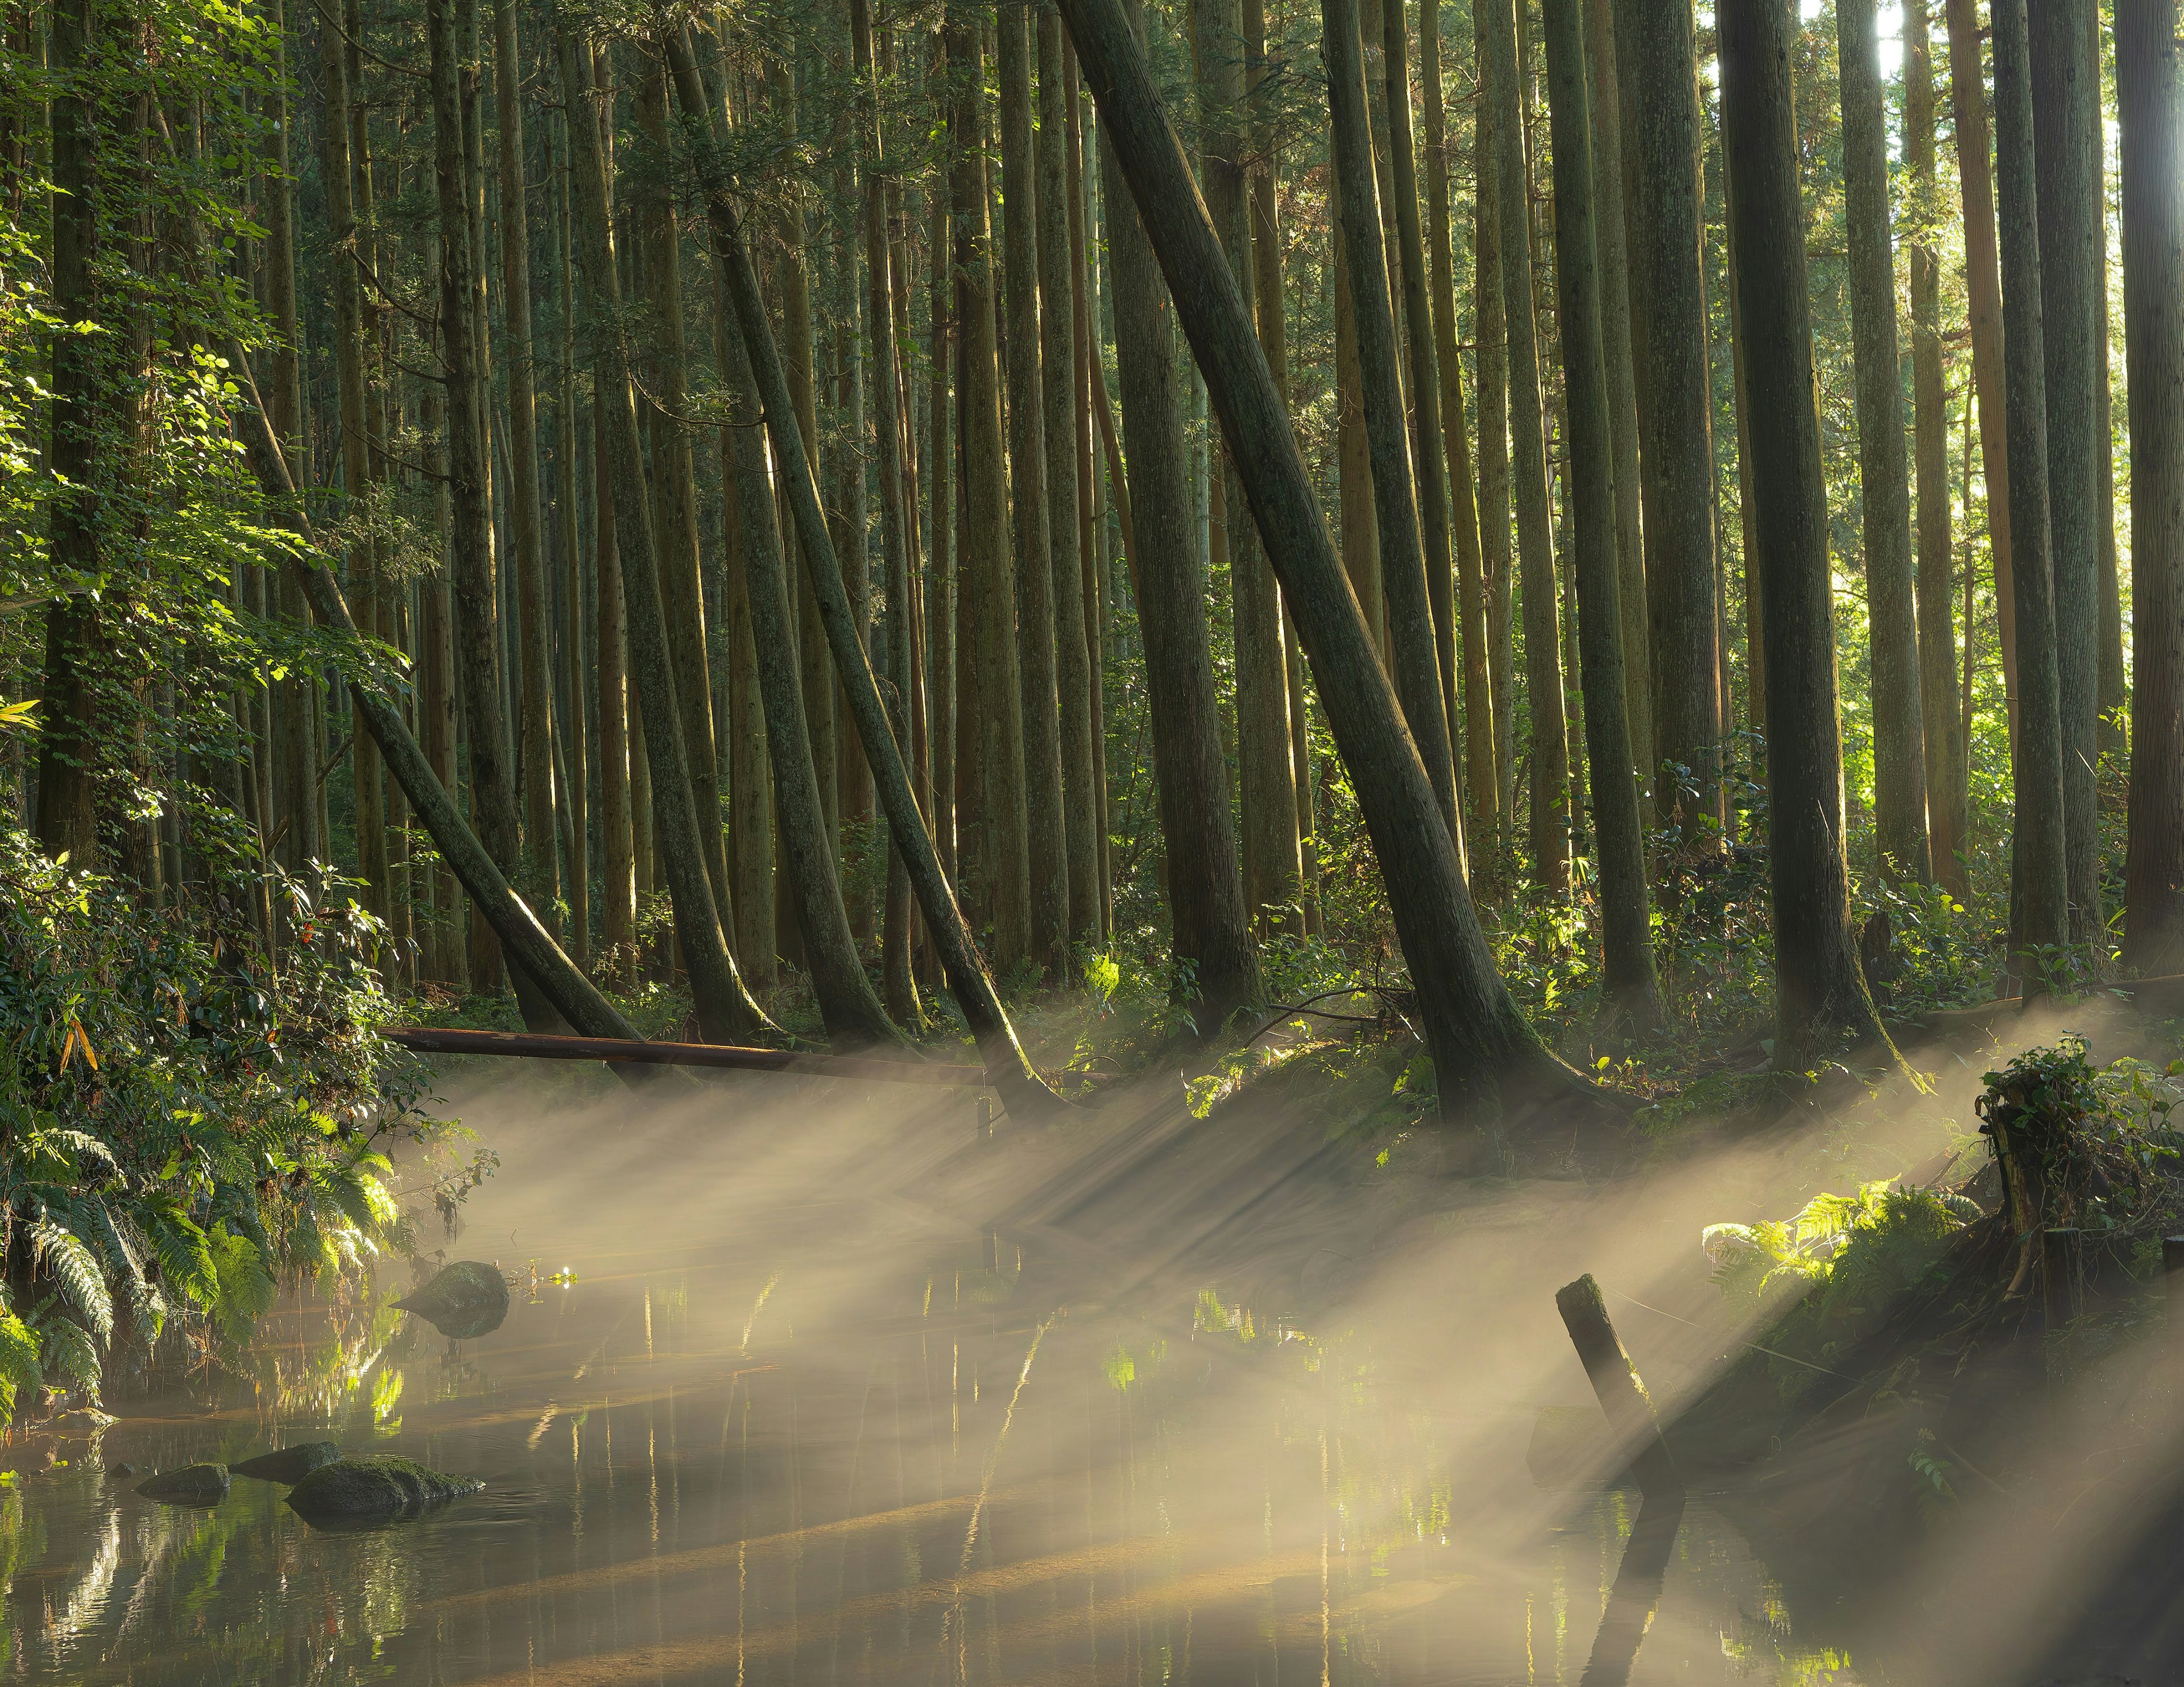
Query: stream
[757,1416]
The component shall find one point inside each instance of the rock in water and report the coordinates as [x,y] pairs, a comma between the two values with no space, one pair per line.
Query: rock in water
[469,1298]
[196,1484]
[290,1464]
[373,1489]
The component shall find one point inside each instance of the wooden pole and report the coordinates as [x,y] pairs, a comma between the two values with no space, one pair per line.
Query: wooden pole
[1615,1380]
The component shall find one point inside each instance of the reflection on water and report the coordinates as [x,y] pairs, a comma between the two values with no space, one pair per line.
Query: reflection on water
[774,1433]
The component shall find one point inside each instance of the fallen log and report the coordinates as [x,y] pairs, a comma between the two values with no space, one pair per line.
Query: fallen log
[538,1046]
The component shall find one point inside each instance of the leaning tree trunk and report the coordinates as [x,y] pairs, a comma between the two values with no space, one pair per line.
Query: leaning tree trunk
[1983,285]
[1483,1051]
[1021,1087]
[1213,931]
[2066,122]
[724,1007]
[2039,874]
[1942,731]
[1549,826]
[1899,770]
[2151,106]
[1403,573]
[1656,65]
[1819,988]
[1627,925]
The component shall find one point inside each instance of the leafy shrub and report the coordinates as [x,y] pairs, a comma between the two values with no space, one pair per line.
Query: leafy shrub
[182,1117]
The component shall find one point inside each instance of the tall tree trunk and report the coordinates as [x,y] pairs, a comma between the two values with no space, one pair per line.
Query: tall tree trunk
[476,594]
[355,433]
[578,744]
[724,1007]
[2073,199]
[1046,839]
[1429,470]
[940,482]
[2040,887]
[1282,859]
[1550,823]
[1213,933]
[1476,686]
[1657,70]
[1899,771]
[2150,103]
[618,822]
[436,702]
[1819,988]
[996,700]
[535,741]
[1983,285]
[1403,571]
[1612,236]
[1482,1049]
[1068,498]
[2113,686]
[1627,923]
[901,988]
[1093,496]
[1491,331]
[1941,732]
[1361,530]
[1266,798]
[69,749]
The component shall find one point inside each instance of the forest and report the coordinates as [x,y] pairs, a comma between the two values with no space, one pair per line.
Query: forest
[1574,557]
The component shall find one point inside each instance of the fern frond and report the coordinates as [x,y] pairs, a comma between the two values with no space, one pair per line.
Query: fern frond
[69,1351]
[182,1252]
[244,1286]
[20,1371]
[75,1267]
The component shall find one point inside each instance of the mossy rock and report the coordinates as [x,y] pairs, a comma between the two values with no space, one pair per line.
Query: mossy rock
[196,1484]
[378,1489]
[469,1298]
[290,1464]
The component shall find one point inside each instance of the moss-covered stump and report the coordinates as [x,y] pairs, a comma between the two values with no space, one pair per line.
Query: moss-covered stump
[469,1298]
[196,1484]
[376,1488]
[290,1464]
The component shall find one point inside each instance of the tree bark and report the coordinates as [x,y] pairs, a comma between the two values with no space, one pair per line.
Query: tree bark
[534,640]
[1819,987]
[578,745]
[1627,915]
[1550,821]
[2066,122]
[1612,234]
[1482,1049]
[1476,686]
[940,482]
[1212,934]
[1068,503]
[1404,577]
[725,1009]
[1491,331]
[2150,103]
[1942,734]
[1983,284]
[1656,68]
[1093,493]
[618,822]
[996,699]
[1428,472]
[1899,771]
[2040,888]
[1046,840]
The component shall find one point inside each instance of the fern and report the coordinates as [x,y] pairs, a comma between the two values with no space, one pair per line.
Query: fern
[75,1267]
[244,1286]
[179,1246]
[70,1351]
[20,1371]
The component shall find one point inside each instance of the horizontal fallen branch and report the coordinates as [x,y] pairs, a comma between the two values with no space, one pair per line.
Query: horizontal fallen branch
[539,1046]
